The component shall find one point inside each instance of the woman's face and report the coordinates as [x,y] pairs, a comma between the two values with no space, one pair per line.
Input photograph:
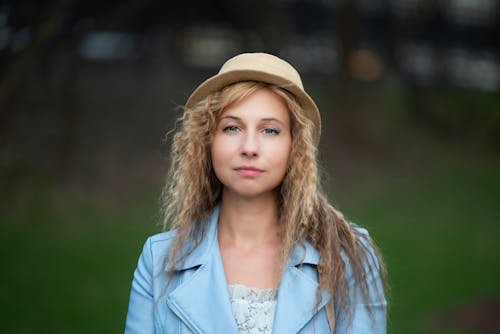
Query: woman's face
[252,144]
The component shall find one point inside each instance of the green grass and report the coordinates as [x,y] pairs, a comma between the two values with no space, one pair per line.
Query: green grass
[439,234]
[67,268]
[67,261]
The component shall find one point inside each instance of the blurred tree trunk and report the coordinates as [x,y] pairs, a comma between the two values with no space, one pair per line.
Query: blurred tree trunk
[273,28]
[71,117]
[348,27]
[18,67]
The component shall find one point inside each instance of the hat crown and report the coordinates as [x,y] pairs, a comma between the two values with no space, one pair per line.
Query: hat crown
[262,62]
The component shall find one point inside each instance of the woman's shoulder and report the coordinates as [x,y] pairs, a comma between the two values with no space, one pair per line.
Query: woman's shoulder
[162,237]
[160,241]
[368,247]
[361,230]
[363,235]
[156,247]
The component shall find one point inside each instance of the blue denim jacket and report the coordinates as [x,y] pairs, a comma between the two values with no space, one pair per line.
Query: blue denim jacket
[197,299]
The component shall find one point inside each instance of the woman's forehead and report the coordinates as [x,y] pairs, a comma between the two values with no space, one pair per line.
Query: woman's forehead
[262,104]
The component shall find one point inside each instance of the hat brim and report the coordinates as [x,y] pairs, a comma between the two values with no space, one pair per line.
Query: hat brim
[219,81]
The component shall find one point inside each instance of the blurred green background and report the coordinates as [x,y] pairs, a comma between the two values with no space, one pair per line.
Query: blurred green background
[409,96]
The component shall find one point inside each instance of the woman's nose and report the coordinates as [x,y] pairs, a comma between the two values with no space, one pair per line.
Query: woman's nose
[249,145]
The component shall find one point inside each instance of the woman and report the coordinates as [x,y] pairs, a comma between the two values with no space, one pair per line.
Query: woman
[255,245]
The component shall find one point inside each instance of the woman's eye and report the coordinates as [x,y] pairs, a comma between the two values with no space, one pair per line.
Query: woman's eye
[230,128]
[271,131]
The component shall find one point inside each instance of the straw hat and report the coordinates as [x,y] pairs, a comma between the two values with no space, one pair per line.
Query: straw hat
[265,68]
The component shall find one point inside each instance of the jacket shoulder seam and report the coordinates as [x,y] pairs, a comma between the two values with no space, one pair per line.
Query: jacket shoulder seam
[162,237]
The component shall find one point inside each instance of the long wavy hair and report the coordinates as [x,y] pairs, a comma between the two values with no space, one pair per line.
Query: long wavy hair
[192,191]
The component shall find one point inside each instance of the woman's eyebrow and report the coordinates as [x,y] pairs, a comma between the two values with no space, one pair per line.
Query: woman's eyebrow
[266,119]
[232,117]
[272,119]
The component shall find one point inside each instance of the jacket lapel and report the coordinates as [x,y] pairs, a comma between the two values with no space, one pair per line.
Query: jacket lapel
[296,304]
[202,300]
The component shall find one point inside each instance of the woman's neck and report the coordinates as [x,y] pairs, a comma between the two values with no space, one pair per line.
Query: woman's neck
[248,223]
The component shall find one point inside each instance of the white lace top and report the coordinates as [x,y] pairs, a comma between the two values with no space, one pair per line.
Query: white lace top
[253,308]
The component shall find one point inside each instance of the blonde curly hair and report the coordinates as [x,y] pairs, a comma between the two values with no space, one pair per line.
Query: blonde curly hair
[192,192]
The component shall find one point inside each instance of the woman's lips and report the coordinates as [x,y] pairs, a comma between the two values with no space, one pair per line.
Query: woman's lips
[249,171]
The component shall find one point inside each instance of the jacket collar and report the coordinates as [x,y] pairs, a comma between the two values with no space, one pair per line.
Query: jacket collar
[304,253]
[202,253]
[203,303]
